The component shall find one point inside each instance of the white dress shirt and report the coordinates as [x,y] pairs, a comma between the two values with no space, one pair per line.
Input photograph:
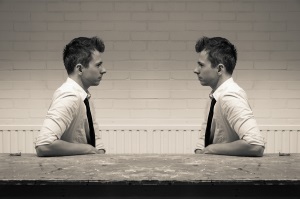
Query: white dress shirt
[233,118]
[66,118]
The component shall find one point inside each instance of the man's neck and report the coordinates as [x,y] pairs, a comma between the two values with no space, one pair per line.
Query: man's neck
[223,78]
[78,80]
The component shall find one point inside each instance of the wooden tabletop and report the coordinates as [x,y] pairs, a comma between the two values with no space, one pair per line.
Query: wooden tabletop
[145,169]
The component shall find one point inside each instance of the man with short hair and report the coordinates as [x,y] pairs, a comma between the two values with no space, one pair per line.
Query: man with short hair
[230,127]
[70,126]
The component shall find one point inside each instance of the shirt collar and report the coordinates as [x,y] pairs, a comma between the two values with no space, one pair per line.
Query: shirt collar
[83,94]
[220,89]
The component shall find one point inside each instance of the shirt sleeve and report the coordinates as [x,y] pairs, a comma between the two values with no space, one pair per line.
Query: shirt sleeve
[58,118]
[241,118]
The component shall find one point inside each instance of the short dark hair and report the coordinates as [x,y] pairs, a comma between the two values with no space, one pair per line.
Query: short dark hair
[219,50]
[79,51]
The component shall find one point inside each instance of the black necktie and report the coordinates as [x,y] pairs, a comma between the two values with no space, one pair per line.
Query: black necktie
[90,119]
[208,141]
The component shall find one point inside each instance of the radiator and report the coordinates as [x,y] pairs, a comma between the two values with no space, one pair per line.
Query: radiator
[150,139]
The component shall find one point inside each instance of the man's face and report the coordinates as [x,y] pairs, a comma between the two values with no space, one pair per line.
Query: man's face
[207,75]
[92,75]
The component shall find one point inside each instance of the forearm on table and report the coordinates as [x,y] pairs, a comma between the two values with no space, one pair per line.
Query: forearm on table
[236,148]
[63,148]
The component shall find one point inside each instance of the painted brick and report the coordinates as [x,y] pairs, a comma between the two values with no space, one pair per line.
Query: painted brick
[82,16]
[293,103]
[136,75]
[285,113]
[31,27]
[222,16]
[116,75]
[183,94]
[166,104]
[153,16]
[167,65]
[270,85]
[15,16]
[130,26]
[203,25]
[130,45]
[130,6]
[237,7]
[6,46]
[18,56]
[285,36]
[252,16]
[6,104]
[96,6]
[29,46]
[166,26]
[169,6]
[130,65]
[285,94]
[270,45]
[156,36]
[46,16]
[267,104]
[149,94]
[63,26]
[270,65]
[203,6]
[293,45]
[96,26]
[193,113]
[114,16]
[29,65]
[159,85]
[6,85]
[274,6]
[103,104]
[45,55]
[14,75]
[14,113]
[130,104]
[111,94]
[239,26]
[63,6]
[149,55]
[270,26]
[28,85]
[48,36]
[150,113]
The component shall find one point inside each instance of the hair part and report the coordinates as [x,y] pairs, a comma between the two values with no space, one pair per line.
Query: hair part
[219,51]
[79,51]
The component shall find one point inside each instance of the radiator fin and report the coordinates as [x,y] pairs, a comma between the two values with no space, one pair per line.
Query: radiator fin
[167,140]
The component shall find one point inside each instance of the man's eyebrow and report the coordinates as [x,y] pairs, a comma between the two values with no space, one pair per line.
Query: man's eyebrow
[99,63]
[199,63]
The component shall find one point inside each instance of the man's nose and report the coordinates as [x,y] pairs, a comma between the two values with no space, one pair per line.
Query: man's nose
[103,70]
[196,71]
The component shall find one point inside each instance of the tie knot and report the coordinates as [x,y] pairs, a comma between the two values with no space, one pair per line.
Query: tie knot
[86,101]
[213,101]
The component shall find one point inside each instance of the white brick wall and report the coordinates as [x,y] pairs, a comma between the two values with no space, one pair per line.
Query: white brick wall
[149,57]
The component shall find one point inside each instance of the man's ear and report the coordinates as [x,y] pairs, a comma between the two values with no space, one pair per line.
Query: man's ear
[221,68]
[79,67]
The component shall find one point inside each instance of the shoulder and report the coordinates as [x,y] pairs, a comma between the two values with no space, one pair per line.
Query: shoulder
[67,94]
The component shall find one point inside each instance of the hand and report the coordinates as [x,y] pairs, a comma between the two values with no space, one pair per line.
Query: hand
[101,151]
[198,151]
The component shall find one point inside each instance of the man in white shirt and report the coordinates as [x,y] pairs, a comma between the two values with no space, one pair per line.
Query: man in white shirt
[70,126]
[229,127]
